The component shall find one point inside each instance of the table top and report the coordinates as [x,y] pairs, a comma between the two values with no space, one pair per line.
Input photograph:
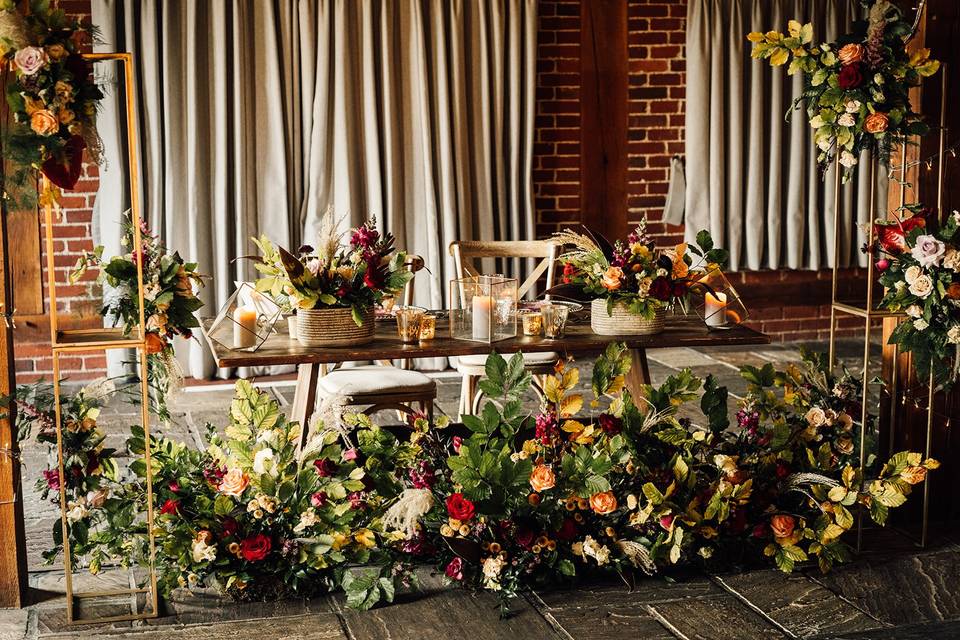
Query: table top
[579,339]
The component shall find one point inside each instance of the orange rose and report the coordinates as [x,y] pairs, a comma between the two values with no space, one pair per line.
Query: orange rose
[611,278]
[876,122]
[542,478]
[850,53]
[953,291]
[234,482]
[603,503]
[782,526]
[913,475]
[155,343]
[44,123]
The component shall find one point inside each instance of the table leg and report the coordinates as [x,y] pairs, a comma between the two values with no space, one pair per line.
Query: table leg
[639,373]
[305,397]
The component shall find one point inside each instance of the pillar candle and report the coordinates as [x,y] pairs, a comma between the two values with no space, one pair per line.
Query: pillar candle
[482,308]
[244,327]
[715,309]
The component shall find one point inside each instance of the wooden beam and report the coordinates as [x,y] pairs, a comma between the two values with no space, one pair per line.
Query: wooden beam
[603,116]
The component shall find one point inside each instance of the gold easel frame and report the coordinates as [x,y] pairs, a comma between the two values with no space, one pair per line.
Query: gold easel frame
[72,341]
[869,312]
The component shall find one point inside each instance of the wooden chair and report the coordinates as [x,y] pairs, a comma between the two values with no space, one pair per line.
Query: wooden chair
[383,386]
[465,253]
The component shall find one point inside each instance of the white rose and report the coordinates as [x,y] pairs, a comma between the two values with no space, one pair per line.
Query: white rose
[203,552]
[914,311]
[30,60]
[313,266]
[951,259]
[77,511]
[927,250]
[922,287]
[263,461]
[307,519]
[953,335]
[852,106]
[846,120]
[824,144]
[847,159]
[920,324]
[878,78]
[912,273]
[816,417]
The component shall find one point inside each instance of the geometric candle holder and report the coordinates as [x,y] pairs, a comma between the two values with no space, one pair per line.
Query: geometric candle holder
[246,320]
[716,301]
[483,308]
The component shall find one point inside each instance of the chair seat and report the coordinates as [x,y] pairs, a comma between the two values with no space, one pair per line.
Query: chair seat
[529,359]
[369,380]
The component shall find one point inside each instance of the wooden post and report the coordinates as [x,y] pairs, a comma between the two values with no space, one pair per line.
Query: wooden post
[603,116]
[13,550]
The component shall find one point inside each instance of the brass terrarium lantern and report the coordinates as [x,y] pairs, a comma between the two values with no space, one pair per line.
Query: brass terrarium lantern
[246,320]
[717,302]
[484,308]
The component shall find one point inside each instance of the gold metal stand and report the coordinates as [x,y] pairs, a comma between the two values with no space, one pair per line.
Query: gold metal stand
[73,341]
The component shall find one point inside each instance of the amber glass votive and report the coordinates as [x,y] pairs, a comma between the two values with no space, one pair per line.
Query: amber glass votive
[532,323]
[428,327]
[408,323]
[554,320]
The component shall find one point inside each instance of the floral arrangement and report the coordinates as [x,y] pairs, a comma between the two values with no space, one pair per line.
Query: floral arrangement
[856,89]
[357,276]
[168,296]
[52,96]
[511,499]
[919,261]
[636,274]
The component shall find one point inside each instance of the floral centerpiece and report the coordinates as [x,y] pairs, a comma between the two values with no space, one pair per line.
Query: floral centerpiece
[333,285]
[632,283]
[52,97]
[169,302]
[919,261]
[856,90]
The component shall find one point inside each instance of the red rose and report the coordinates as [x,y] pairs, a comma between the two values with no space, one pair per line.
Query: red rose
[661,289]
[851,76]
[679,289]
[230,527]
[567,530]
[325,467]
[525,537]
[255,548]
[459,507]
[610,424]
[170,506]
[457,441]
[454,569]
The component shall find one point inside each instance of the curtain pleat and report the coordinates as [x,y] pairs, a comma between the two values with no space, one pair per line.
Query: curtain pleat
[255,116]
[752,178]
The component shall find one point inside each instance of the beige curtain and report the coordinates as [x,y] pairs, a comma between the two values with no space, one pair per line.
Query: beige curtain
[752,178]
[255,116]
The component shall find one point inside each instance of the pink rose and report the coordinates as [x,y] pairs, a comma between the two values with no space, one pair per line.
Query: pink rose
[928,250]
[30,60]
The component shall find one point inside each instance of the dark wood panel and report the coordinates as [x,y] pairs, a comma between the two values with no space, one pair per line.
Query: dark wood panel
[603,116]
[579,340]
[23,228]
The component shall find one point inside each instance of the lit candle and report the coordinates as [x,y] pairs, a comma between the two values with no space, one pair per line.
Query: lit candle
[244,327]
[428,327]
[715,309]
[482,309]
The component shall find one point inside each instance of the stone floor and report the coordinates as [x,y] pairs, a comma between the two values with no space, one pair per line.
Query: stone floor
[893,590]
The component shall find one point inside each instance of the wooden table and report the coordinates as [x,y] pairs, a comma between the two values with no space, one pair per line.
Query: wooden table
[280,349]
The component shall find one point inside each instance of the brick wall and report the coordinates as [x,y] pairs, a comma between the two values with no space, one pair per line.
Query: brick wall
[657,68]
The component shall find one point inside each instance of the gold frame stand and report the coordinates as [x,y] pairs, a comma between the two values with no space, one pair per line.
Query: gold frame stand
[73,341]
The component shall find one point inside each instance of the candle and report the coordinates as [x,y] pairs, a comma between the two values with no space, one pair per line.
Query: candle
[532,323]
[428,327]
[408,324]
[244,327]
[482,318]
[715,309]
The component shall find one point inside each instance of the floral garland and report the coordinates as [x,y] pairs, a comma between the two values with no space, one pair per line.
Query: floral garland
[357,276]
[636,274]
[919,261]
[511,500]
[52,97]
[169,303]
[856,89]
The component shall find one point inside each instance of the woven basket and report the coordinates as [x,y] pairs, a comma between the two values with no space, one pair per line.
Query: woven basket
[622,322]
[333,327]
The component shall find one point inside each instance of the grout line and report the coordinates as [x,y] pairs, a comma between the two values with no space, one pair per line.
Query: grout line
[743,599]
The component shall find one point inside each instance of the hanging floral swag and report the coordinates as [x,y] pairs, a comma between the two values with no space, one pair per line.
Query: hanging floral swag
[856,90]
[170,303]
[507,501]
[52,96]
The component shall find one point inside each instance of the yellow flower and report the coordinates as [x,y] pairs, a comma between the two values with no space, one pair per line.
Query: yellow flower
[339,541]
[365,538]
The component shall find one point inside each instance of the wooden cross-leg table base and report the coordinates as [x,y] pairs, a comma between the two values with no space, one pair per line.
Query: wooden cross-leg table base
[639,373]
[305,395]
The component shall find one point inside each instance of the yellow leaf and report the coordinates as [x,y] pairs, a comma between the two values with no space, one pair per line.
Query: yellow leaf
[832,532]
[931,464]
[806,33]
[570,378]
[551,389]
[571,405]
[837,494]
[572,426]
[919,56]
[755,36]
[774,36]
[793,28]
[779,57]
[616,386]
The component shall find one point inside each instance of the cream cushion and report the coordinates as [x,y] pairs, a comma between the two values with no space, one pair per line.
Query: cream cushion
[374,379]
[547,357]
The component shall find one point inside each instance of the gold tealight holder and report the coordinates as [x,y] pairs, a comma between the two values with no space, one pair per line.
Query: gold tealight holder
[428,327]
[408,323]
[554,320]
[532,322]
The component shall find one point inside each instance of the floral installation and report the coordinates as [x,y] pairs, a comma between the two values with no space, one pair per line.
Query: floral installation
[169,302]
[856,89]
[634,273]
[52,96]
[509,500]
[355,276]
[919,262]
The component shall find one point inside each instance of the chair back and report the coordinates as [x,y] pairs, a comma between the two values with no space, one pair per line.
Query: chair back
[413,264]
[466,252]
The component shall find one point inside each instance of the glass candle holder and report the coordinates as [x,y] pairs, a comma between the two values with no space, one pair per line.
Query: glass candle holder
[532,323]
[554,320]
[717,301]
[387,303]
[408,323]
[246,320]
[483,308]
[428,327]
